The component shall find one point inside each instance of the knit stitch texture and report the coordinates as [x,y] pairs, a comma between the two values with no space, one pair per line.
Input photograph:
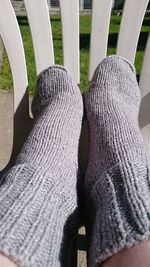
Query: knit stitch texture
[117,179]
[39,195]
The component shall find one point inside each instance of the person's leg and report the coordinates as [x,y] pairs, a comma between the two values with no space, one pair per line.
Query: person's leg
[117,179]
[136,256]
[39,195]
[6,262]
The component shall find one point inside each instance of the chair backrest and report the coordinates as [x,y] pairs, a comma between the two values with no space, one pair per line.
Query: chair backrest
[38,16]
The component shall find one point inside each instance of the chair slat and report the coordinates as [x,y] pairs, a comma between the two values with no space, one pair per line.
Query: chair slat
[39,20]
[101,12]
[144,117]
[146,135]
[10,34]
[70,32]
[131,23]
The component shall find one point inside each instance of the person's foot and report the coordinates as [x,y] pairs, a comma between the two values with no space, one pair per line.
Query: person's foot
[116,182]
[39,196]
[57,109]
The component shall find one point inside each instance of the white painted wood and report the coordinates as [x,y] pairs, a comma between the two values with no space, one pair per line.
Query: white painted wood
[101,12]
[70,32]
[133,14]
[39,20]
[144,118]
[10,34]
[146,135]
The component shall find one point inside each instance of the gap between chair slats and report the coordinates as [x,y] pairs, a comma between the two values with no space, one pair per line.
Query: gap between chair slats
[145,72]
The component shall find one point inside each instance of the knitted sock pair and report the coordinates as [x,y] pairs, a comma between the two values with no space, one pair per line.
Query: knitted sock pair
[38,198]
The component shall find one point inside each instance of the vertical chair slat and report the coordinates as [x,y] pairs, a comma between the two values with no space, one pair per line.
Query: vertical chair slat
[133,14]
[10,34]
[70,32]
[144,117]
[101,12]
[38,15]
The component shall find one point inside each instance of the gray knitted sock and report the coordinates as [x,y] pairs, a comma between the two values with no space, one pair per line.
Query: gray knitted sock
[39,196]
[117,178]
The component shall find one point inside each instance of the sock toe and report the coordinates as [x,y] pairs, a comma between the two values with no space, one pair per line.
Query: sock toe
[48,86]
[118,62]
[116,76]
[113,64]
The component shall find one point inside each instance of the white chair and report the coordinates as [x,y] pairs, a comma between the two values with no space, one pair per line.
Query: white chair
[38,15]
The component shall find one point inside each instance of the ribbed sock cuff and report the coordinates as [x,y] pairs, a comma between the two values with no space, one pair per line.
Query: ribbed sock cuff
[120,210]
[35,210]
